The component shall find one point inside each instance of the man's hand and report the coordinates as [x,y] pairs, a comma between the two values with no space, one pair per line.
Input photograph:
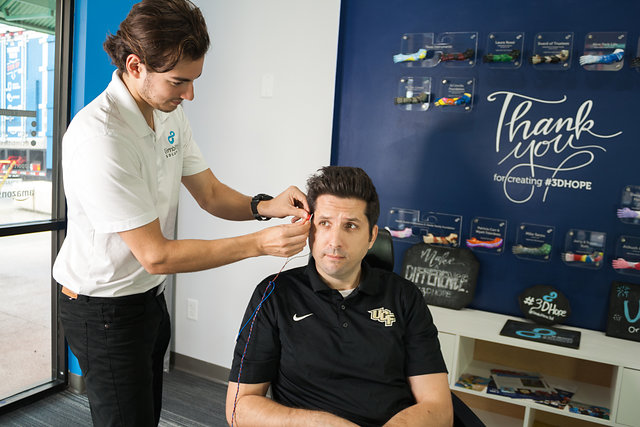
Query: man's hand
[254,409]
[283,240]
[433,408]
[291,202]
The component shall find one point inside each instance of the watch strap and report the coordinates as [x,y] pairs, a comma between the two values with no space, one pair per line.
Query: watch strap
[254,206]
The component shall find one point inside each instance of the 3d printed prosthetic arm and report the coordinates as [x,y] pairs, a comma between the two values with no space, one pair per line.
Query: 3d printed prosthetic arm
[616,56]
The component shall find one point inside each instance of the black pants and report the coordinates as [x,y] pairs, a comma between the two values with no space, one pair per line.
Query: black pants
[120,345]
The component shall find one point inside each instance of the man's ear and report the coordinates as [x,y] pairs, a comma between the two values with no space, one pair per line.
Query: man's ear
[134,66]
[374,235]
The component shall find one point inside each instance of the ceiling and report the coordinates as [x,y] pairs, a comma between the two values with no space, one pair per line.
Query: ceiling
[37,15]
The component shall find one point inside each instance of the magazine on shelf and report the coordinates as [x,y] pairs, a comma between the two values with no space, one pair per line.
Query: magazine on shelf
[521,385]
[586,409]
[472,382]
[560,401]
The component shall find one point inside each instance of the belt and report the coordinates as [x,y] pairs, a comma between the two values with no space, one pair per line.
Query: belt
[148,294]
[68,292]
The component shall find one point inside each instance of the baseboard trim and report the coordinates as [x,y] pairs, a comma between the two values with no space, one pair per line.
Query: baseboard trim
[200,368]
[76,383]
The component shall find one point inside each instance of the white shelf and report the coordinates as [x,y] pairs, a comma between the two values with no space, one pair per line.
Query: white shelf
[584,392]
[492,419]
[463,330]
[594,346]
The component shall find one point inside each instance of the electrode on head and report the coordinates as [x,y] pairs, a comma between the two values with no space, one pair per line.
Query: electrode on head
[308,218]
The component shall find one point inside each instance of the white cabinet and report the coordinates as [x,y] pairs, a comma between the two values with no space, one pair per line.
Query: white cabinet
[604,371]
[448,349]
[629,405]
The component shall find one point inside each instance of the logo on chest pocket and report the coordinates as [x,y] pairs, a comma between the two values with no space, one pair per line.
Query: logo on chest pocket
[383,315]
[172,150]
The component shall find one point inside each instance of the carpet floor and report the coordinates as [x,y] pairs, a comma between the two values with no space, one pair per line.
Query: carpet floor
[187,400]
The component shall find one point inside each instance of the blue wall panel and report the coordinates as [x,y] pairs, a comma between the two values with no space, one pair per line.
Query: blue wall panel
[446,162]
[92,68]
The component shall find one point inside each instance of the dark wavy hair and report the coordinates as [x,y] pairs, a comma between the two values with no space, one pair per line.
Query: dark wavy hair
[346,182]
[160,33]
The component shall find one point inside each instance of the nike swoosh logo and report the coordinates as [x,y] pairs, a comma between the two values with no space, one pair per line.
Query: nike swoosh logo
[297,318]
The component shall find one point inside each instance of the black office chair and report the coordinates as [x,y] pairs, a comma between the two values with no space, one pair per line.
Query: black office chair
[381,256]
[463,416]
[381,253]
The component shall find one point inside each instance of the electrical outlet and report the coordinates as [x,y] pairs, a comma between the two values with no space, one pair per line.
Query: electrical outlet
[266,90]
[192,309]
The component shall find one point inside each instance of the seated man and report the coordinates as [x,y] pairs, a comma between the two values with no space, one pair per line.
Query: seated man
[340,343]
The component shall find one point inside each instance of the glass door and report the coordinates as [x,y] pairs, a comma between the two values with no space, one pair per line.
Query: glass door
[34,58]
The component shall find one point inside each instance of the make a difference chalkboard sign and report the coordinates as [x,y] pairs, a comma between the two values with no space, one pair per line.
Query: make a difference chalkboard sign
[624,311]
[446,276]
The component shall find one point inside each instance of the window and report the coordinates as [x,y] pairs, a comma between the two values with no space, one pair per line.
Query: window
[34,68]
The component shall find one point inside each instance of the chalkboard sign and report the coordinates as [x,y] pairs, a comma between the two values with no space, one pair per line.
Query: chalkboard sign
[544,304]
[446,276]
[624,311]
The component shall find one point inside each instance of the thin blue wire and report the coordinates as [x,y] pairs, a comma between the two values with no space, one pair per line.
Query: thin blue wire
[256,310]
[252,318]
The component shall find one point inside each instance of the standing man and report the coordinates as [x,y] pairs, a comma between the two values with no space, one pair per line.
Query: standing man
[339,343]
[123,158]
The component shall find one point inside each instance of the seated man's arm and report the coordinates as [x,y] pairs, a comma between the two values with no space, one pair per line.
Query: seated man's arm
[254,409]
[433,407]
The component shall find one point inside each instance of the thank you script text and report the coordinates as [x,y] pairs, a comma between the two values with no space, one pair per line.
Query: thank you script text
[537,151]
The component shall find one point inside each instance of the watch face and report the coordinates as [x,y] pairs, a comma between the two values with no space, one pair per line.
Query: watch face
[254,205]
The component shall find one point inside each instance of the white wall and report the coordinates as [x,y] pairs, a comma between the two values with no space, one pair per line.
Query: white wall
[252,143]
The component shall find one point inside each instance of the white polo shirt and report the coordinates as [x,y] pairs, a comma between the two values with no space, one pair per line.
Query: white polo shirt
[119,175]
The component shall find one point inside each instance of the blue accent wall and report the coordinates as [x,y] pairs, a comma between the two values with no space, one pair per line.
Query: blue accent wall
[91,67]
[447,162]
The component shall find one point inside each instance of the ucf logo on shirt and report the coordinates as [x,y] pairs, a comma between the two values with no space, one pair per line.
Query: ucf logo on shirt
[172,149]
[383,315]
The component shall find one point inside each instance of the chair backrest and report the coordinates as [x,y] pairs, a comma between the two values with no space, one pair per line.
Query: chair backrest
[381,253]
[463,416]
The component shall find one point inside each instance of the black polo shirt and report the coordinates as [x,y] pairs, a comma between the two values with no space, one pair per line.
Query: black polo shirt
[348,356]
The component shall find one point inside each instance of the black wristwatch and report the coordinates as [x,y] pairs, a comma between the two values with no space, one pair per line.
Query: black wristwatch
[254,206]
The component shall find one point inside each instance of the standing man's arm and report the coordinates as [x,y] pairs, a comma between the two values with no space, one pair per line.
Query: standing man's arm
[433,407]
[225,202]
[254,409]
[159,255]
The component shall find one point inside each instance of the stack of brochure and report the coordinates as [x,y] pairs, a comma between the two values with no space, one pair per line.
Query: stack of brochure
[520,385]
[472,382]
[527,385]
[592,410]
